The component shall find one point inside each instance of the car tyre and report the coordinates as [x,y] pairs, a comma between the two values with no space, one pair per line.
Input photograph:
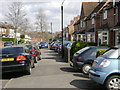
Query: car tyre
[28,71]
[40,57]
[85,68]
[36,59]
[113,83]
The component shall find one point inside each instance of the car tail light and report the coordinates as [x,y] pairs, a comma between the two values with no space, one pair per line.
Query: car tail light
[21,58]
[104,63]
[78,57]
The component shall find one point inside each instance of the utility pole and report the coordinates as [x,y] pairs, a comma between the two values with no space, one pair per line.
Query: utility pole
[51,29]
[62,27]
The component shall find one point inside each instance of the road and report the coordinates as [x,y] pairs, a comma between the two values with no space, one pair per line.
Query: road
[50,72]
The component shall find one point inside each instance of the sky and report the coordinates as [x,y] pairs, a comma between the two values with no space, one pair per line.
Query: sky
[52,9]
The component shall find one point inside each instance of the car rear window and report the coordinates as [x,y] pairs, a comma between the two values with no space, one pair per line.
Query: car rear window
[12,50]
[82,50]
[8,42]
[112,53]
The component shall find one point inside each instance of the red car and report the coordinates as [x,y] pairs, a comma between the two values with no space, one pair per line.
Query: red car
[35,52]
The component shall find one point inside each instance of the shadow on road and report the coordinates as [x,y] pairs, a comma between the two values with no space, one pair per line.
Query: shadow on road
[86,84]
[81,75]
[11,75]
[68,69]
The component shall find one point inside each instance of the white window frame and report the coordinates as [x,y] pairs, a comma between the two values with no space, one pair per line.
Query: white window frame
[81,23]
[105,14]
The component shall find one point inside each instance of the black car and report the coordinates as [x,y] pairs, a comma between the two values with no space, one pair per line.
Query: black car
[83,59]
[16,58]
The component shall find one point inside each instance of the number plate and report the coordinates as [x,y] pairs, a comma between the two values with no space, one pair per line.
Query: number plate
[7,59]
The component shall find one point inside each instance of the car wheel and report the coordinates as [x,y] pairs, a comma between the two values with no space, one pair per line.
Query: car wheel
[113,83]
[28,71]
[85,68]
[33,65]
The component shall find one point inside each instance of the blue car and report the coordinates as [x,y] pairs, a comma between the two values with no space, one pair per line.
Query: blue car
[106,69]
[43,44]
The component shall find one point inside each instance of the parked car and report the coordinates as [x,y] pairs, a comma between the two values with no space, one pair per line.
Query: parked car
[53,45]
[43,44]
[57,46]
[16,58]
[8,43]
[106,69]
[83,59]
[34,51]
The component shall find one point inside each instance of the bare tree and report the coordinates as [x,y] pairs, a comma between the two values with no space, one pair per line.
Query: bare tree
[17,16]
[41,21]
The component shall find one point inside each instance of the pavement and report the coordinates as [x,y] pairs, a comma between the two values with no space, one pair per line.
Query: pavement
[50,72]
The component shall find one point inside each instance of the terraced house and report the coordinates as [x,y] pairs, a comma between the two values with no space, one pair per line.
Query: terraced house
[99,22]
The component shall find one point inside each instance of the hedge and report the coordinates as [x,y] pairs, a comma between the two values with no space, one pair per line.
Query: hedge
[77,45]
[100,52]
[7,39]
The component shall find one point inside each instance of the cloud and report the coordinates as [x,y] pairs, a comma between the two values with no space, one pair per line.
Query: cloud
[52,9]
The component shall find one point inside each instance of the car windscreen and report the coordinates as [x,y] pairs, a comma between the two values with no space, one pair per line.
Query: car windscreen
[11,50]
[112,53]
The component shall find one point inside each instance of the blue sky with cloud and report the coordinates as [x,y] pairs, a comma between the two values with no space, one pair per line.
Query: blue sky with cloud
[50,7]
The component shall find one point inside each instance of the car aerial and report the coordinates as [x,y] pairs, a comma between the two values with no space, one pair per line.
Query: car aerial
[106,69]
[34,51]
[43,44]
[83,59]
[16,58]
[8,43]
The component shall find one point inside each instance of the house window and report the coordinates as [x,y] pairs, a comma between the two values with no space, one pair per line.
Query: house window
[105,14]
[81,23]
[93,19]
[84,24]
[117,39]
[103,37]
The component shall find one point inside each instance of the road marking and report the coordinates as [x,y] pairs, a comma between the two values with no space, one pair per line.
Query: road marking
[7,83]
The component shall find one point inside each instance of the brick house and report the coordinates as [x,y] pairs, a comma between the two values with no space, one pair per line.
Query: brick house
[108,15]
[92,24]
[117,23]
[6,29]
[71,27]
[86,9]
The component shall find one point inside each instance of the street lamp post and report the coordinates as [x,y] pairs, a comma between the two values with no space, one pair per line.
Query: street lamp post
[62,26]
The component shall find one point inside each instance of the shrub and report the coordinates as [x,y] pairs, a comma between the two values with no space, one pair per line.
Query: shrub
[22,36]
[77,45]
[92,44]
[8,39]
[107,45]
[100,52]
[21,41]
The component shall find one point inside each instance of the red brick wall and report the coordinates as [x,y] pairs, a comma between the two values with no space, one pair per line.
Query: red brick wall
[111,18]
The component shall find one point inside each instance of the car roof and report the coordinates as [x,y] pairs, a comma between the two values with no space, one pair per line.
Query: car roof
[13,46]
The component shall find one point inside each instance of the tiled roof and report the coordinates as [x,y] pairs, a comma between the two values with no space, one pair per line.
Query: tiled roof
[88,7]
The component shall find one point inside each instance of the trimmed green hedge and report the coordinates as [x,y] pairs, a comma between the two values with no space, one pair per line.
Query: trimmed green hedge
[100,52]
[7,39]
[77,45]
